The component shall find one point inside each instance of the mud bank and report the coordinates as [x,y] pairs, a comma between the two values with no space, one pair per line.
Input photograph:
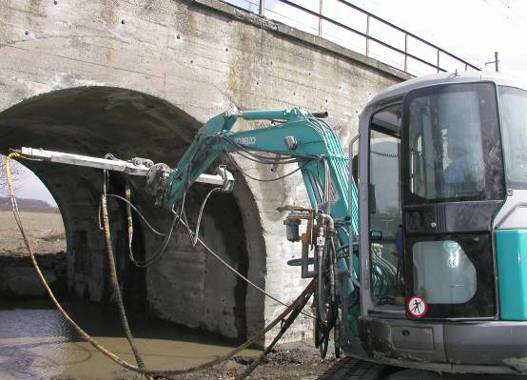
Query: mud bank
[19,280]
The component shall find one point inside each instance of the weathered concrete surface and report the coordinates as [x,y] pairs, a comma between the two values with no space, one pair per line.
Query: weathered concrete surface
[157,70]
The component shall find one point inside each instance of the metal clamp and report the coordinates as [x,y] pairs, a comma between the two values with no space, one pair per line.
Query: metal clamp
[227,178]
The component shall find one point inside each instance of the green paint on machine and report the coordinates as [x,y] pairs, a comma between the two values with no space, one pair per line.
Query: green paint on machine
[511,256]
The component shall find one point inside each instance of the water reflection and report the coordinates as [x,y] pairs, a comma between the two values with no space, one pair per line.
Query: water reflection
[35,343]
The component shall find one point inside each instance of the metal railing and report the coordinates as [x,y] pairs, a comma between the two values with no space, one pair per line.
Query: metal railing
[414,55]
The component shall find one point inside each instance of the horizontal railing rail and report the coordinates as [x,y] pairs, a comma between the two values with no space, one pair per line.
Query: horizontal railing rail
[262,8]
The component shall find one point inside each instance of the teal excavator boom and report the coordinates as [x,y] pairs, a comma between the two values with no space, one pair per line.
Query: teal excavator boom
[296,134]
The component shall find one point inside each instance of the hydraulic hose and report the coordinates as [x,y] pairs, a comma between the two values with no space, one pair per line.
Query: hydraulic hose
[117,295]
[292,310]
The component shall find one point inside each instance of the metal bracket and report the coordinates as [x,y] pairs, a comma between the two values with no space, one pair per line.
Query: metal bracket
[226,178]
[306,262]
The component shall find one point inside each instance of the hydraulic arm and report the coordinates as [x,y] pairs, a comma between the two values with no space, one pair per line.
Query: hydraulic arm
[292,136]
[297,135]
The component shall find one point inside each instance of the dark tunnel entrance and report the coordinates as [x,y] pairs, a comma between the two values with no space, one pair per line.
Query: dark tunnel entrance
[185,286]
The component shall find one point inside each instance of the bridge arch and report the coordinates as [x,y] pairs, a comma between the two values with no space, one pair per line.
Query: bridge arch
[185,286]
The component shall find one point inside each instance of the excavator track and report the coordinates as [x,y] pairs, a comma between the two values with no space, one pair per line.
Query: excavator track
[354,369]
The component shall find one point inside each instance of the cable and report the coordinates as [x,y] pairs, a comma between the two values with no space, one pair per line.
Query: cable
[265,162]
[129,221]
[202,208]
[283,328]
[247,150]
[113,275]
[42,279]
[262,158]
[262,179]
[297,303]
[159,253]
[221,260]
[131,205]
[194,238]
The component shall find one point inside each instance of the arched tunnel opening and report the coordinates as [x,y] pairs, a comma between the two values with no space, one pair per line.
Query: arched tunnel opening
[186,285]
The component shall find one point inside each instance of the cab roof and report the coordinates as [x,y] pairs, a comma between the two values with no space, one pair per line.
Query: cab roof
[401,89]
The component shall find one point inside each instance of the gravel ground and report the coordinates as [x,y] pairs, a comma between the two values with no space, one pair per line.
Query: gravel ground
[288,361]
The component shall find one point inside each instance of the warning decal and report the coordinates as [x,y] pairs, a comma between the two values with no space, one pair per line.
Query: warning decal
[416,307]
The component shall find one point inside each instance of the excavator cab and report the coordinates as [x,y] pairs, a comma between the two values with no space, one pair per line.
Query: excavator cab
[443,254]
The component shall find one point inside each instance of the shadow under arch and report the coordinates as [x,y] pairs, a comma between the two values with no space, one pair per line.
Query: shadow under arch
[184,286]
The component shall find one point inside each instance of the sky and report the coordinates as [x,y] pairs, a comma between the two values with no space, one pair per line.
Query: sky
[29,186]
[470,29]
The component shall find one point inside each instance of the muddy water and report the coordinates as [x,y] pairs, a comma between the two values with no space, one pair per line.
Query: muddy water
[36,343]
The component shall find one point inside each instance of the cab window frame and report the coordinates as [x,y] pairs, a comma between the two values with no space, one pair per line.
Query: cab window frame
[495,188]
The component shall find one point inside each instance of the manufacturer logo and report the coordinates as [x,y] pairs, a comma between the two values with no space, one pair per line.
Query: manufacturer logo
[249,140]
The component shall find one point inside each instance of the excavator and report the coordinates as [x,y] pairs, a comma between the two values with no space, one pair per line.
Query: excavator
[416,237]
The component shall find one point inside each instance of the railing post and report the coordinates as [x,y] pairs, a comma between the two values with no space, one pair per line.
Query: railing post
[406,52]
[320,18]
[262,8]
[367,35]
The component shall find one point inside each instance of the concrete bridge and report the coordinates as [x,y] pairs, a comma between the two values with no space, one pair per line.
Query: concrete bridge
[138,78]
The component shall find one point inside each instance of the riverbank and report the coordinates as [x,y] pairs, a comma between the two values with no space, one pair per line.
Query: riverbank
[18,279]
[36,343]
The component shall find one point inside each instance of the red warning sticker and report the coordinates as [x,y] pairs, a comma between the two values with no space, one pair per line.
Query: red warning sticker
[416,307]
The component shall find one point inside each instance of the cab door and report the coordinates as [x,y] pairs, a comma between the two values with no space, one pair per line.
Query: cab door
[452,185]
[384,207]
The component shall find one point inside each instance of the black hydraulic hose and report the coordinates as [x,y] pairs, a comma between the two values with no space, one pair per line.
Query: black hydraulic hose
[283,328]
[114,281]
